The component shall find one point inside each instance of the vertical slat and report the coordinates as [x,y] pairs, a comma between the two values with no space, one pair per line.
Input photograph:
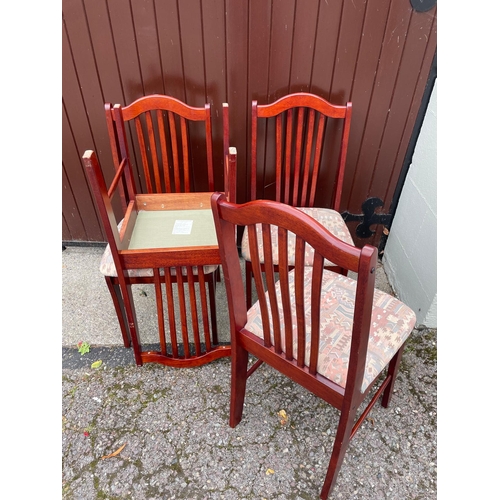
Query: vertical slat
[298,156]
[144,156]
[307,162]
[230,175]
[159,308]
[253,171]
[171,311]
[154,152]
[315,310]
[278,157]
[182,311]
[204,307]
[317,158]
[194,310]
[175,153]
[164,153]
[225,128]
[299,300]
[271,288]
[208,137]
[342,158]
[259,284]
[212,278]
[285,290]
[229,158]
[288,156]
[185,155]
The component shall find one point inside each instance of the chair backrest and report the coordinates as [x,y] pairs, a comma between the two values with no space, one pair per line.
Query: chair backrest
[279,313]
[304,141]
[169,145]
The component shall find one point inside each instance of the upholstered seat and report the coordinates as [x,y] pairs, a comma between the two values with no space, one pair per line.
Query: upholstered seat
[392,323]
[329,218]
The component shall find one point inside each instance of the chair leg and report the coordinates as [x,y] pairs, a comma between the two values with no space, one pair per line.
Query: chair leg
[248,282]
[239,364]
[342,440]
[116,297]
[392,372]
[128,302]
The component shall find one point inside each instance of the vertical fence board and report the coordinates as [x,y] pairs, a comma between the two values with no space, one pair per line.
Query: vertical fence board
[303,45]
[148,50]
[170,44]
[325,53]
[214,43]
[238,97]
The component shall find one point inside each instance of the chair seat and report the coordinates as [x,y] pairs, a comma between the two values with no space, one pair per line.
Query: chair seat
[392,323]
[107,267]
[330,219]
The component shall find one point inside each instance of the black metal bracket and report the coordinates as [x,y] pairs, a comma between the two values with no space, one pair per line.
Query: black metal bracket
[368,218]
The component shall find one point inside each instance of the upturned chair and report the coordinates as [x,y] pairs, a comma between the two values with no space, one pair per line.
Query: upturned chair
[299,163]
[340,338]
[174,147]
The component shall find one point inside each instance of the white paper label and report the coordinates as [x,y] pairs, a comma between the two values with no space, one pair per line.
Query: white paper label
[182,227]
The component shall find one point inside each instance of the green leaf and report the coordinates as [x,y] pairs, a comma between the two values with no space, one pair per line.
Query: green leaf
[96,364]
[83,347]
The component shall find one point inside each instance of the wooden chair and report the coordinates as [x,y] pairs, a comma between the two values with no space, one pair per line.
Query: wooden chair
[299,164]
[171,162]
[330,334]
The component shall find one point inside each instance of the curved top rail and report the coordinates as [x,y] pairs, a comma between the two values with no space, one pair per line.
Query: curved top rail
[302,99]
[163,102]
[296,221]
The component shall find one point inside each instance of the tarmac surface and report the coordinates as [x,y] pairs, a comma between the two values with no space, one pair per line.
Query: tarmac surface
[155,432]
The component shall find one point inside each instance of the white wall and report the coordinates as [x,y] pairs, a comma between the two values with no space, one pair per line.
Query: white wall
[410,255]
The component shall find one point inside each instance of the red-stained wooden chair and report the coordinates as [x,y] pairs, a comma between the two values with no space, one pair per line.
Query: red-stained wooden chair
[339,338]
[295,142]
[174,148]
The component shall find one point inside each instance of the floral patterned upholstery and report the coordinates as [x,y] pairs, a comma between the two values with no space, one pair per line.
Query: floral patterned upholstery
[331,219]
[108,268]
[392,323]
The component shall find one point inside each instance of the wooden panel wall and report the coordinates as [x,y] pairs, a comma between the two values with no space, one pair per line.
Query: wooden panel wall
[376,53]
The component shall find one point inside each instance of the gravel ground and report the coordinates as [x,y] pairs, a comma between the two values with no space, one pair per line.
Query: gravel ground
[171,426]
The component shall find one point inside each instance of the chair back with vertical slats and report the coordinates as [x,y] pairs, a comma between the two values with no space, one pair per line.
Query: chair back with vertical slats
[169,144]
[295,141]
[282,309]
